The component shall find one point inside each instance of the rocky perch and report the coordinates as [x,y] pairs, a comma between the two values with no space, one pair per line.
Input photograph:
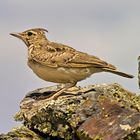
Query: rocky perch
[96,112]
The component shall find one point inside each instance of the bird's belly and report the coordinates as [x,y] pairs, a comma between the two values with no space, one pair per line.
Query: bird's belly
[61,74]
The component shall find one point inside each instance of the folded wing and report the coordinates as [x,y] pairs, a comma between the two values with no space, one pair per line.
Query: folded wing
[55,55]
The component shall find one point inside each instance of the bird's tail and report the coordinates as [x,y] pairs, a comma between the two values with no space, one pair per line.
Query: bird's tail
[118,73]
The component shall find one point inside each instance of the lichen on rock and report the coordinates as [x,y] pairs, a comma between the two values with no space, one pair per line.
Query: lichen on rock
[21,133]
[96,112]
[107,112]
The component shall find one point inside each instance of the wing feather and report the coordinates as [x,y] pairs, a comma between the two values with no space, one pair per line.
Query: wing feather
[54,55]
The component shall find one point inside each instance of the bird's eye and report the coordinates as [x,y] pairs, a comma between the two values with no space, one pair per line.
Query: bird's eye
[30,33]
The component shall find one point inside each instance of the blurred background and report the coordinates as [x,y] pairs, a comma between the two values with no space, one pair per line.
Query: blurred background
[109,29]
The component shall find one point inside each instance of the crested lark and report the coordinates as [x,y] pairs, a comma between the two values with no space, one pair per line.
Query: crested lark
[60,63]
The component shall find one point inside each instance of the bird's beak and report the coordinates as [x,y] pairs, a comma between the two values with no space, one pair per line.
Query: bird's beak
[18,35]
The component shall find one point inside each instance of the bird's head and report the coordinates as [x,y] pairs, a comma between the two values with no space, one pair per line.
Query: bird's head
[31,36]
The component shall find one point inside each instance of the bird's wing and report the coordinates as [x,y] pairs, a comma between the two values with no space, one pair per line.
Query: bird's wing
[90,61]
[55,55]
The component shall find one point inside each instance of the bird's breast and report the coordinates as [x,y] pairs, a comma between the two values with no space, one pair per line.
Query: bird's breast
[59,74]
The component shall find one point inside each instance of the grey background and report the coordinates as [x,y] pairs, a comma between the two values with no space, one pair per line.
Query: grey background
[109,29]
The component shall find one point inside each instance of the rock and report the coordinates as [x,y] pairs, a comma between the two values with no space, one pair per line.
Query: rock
[96,112]
[139,71]
[21,133]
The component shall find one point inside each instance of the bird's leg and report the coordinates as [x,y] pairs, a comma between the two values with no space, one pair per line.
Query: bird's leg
[59,92]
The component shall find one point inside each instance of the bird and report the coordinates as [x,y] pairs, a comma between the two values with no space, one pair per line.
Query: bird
[59,63]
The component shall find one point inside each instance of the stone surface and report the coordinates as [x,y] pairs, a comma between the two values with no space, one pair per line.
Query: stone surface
[21,133]
[139,71]
[96,112]
[106,112]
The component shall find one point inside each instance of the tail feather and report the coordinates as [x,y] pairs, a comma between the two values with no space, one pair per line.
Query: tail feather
[118,73]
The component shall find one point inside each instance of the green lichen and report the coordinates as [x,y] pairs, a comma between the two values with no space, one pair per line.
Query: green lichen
[97,138]
[19,116]
[134,135]
[19,133]
[61,118]
[123,96]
